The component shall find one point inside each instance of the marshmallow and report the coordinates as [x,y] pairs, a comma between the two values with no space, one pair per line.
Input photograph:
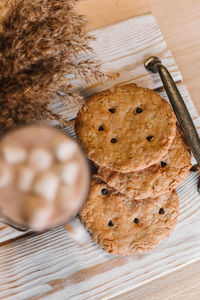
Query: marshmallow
[25,178]
[65,197]
[64,150]
[5,174]
[36,212]
[46,185]
[13,154]
[39,218]
[40,158]
[69,172]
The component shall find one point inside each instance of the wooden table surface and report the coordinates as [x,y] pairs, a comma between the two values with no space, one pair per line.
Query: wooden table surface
[180,24]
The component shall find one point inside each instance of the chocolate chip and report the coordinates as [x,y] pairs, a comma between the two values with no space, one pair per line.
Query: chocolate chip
[149,137]
[136,220]
[113,141]
[104,191]
[110,223]
[161,211]
[194,168]
[101,128]
[111,110]
[163,164]
[139,110]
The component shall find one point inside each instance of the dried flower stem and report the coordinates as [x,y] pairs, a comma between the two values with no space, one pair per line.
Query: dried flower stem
[39,42]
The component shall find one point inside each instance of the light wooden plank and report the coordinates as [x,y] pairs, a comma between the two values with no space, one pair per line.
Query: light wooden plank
[182,284]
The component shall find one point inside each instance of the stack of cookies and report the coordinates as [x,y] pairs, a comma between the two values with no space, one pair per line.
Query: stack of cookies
[131,135]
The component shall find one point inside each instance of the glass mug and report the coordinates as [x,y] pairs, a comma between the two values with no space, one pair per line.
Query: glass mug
[44,180]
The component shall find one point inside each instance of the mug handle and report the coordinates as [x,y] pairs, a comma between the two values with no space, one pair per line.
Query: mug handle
[13,225]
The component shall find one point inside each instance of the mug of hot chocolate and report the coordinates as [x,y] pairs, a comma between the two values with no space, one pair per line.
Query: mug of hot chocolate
[44,177]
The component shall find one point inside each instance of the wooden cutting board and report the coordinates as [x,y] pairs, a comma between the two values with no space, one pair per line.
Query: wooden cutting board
[52,265]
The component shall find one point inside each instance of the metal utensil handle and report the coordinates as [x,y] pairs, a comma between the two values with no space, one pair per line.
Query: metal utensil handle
[154,65]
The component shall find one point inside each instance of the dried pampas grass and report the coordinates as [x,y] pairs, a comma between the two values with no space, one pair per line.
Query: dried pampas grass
[39,42]
[3,7]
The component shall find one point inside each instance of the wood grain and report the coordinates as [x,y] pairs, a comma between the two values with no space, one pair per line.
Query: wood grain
[183,284]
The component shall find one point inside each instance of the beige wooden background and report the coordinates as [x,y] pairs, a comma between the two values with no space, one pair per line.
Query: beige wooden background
[180,23]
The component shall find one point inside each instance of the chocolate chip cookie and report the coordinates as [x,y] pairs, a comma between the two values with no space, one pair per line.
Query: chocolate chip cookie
[154,180]
[127,128]
[124,227]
